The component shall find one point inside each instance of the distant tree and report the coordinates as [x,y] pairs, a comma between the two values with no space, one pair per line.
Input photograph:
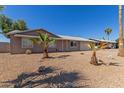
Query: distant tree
[15,26]
[22,25]
[19,25]
[44,41]
[5,24]
[1,7]
[108,32]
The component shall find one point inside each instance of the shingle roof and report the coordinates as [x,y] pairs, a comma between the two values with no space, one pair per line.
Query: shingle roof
[18,31]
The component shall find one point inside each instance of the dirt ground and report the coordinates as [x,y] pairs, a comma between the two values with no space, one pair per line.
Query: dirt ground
[63,68]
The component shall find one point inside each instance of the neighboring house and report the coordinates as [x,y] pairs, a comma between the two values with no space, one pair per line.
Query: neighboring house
[20,42]
[107,43]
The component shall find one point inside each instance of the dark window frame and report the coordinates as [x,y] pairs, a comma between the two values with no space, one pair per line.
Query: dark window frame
[73,44]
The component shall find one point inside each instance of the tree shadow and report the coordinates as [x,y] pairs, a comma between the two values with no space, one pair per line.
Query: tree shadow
[61,56]
[27,77]
[45,77]
[61,80]
[101,62]
[113,64]
[46,70]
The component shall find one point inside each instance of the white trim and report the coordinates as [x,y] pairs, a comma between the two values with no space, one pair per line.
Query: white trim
[26,36]
[61,38]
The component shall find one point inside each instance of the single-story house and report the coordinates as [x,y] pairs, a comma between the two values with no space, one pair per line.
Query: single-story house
[20,42]
[108,43]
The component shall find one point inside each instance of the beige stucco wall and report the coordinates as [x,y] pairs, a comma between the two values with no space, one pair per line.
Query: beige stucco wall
[16,46]
[84,46]
[67,47]
[60,45]
[64,45]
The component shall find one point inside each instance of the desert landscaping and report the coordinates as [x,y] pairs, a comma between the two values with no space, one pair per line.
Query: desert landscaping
[63,69]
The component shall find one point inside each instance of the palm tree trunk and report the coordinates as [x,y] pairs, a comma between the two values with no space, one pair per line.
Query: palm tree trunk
[94,58]
[121,44]
[45,53]
[108,37]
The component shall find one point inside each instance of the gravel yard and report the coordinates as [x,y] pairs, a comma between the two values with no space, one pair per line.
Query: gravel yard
[63,68]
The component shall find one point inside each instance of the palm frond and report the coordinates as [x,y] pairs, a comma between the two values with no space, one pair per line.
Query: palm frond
[41,37]
[35,40]
[52,41]
[92,46]
[46,37]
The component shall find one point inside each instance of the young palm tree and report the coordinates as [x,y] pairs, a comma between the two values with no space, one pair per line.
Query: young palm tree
[108,32]
[44,41]
[94,60]
[93,47]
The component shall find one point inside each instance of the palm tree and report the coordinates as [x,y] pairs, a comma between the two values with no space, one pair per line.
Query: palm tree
[94,60]
[108,32]
[44,41]
[121,44]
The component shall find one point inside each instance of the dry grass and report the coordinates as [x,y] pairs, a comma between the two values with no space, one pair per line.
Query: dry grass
[110,75]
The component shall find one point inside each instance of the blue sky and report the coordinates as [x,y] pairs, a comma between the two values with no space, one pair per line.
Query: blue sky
[84,21]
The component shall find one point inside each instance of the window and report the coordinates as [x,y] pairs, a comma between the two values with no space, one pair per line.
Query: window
[52,45]
[73,44]
[27,43]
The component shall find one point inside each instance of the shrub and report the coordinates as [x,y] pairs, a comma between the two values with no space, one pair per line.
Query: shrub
[28,51]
